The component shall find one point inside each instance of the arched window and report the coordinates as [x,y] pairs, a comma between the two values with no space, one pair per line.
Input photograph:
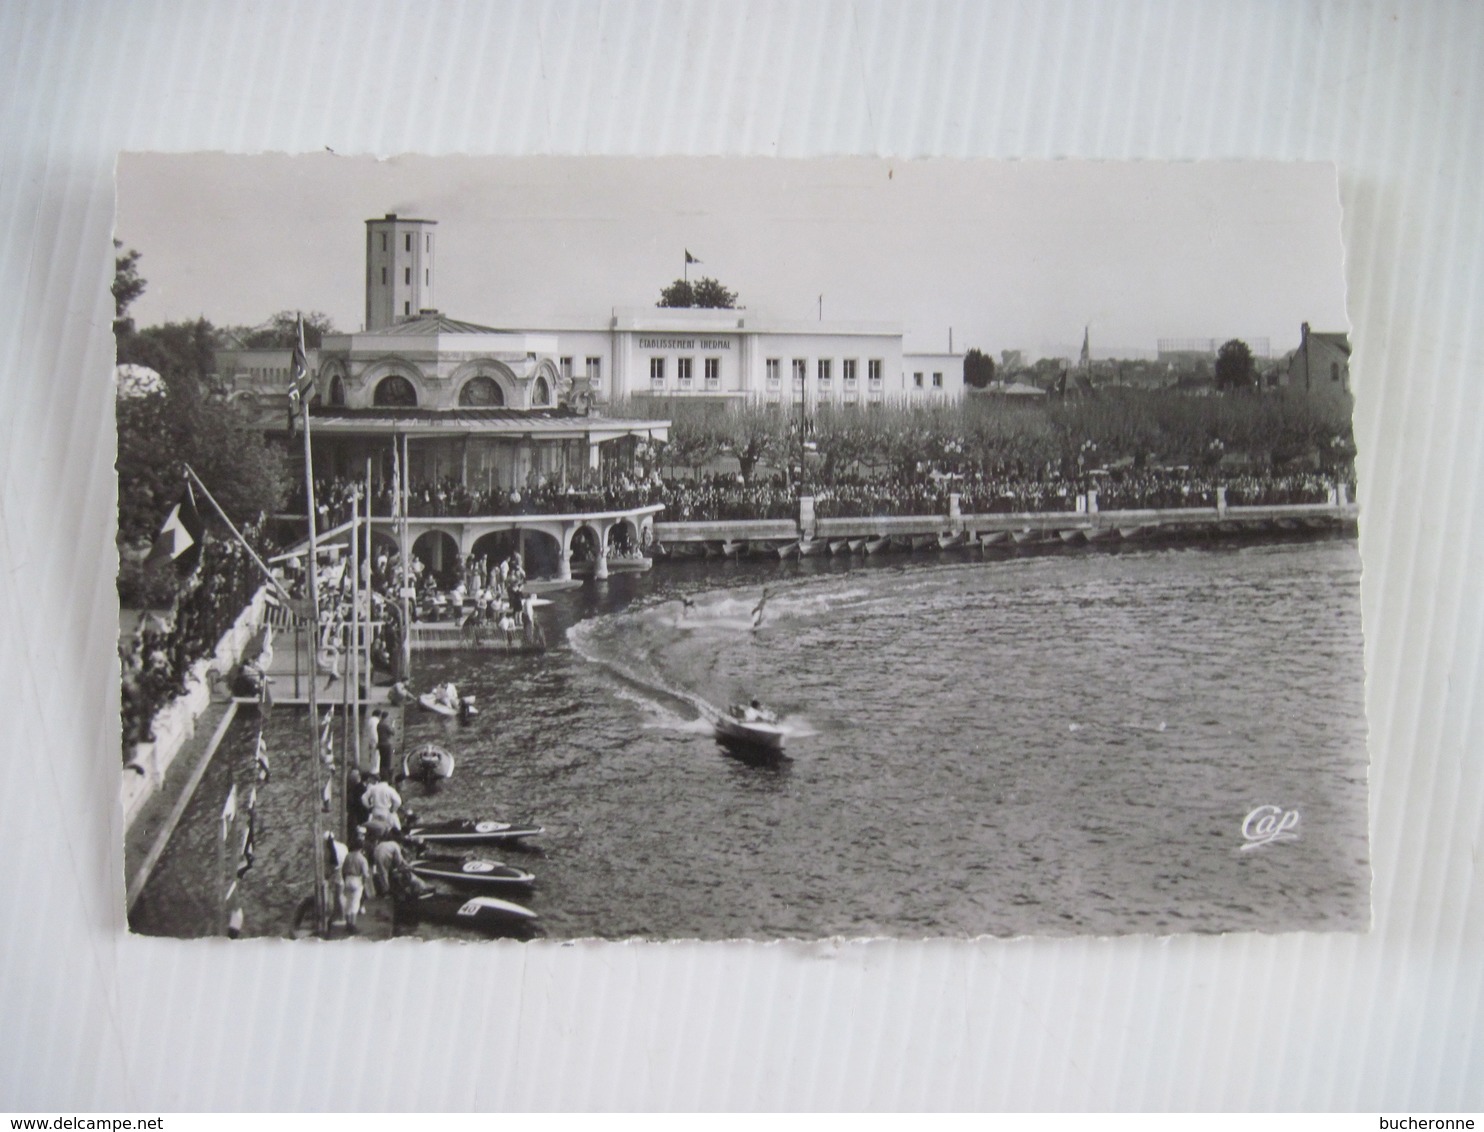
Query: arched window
[481,391]
[541,392]
[395,392]
[337,392]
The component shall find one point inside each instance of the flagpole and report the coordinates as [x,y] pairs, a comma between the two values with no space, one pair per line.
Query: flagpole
[320,911]
[267,573]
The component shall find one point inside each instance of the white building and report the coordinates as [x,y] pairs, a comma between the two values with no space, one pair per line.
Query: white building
[639,352]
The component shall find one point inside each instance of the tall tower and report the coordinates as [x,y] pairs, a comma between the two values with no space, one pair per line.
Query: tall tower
[399,269]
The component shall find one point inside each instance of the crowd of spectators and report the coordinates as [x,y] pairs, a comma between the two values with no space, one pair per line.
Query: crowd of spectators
[727,496]
[447,497]
[157,659]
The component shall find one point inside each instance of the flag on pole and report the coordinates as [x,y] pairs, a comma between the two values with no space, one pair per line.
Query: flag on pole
[249,847]
[301,381]
[260,760]
[180,537]
[690,258]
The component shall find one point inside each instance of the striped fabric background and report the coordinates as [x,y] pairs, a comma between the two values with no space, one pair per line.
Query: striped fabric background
[90,1018]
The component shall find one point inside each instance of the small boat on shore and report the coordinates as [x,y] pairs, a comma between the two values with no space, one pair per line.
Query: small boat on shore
[952,541]
[1025,536]
[1099,534]
[731,548]
[472,831]
[877,545]
[462,872]
[994,538]
[809,548]
[840,546]
[788,550]
[857,546]
[1129,534]
[482,913]
[1072,536]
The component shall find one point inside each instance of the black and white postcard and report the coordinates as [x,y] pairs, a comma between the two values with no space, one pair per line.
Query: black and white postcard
[568,548]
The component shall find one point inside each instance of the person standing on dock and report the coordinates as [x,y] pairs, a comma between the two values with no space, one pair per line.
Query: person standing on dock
[385,745]
[355,872]
[370,742]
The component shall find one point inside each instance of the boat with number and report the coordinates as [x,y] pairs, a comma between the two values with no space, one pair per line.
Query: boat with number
[463,872]
[482,913]
[473,831]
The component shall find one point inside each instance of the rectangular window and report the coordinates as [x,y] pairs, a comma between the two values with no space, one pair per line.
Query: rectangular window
[407,276]
[773,367]
[427,275]
[917,380]
[383,241]
[567,368]
[595,370]
[406,308]
[383,277]
[428,242]
[937,381]
[657,372]
[409,241]
[873,371]
[847,371]
[822,370]
[713,373]
[682,372]
[801,367]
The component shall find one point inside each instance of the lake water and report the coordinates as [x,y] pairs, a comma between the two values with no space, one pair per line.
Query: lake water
[1059,743]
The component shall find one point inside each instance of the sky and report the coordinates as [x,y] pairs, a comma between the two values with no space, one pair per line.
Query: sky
[1008,255]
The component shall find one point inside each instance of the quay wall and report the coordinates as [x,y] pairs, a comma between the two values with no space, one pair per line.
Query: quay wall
[1086,517]
[175,723]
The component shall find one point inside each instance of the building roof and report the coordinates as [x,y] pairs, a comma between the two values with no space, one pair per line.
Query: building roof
[429,323]
[1338,339]
[554,424]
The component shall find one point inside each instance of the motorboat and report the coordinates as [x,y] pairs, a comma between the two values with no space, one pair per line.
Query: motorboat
[481,875]
[482,913]
[473,831]
[428,764]
[762,732]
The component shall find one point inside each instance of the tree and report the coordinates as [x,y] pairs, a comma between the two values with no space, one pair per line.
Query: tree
[128,285]
[280,332]
[978,369]
[1234,366]
[753,432]
[705,292]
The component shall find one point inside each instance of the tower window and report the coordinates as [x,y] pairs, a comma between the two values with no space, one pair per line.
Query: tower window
[409,241]
[383,241]
[407,276]
[383,277]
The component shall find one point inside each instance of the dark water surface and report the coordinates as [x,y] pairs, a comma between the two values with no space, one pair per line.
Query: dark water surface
[1058,744]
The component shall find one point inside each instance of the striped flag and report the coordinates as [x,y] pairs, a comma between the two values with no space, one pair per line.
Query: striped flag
[301,381]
